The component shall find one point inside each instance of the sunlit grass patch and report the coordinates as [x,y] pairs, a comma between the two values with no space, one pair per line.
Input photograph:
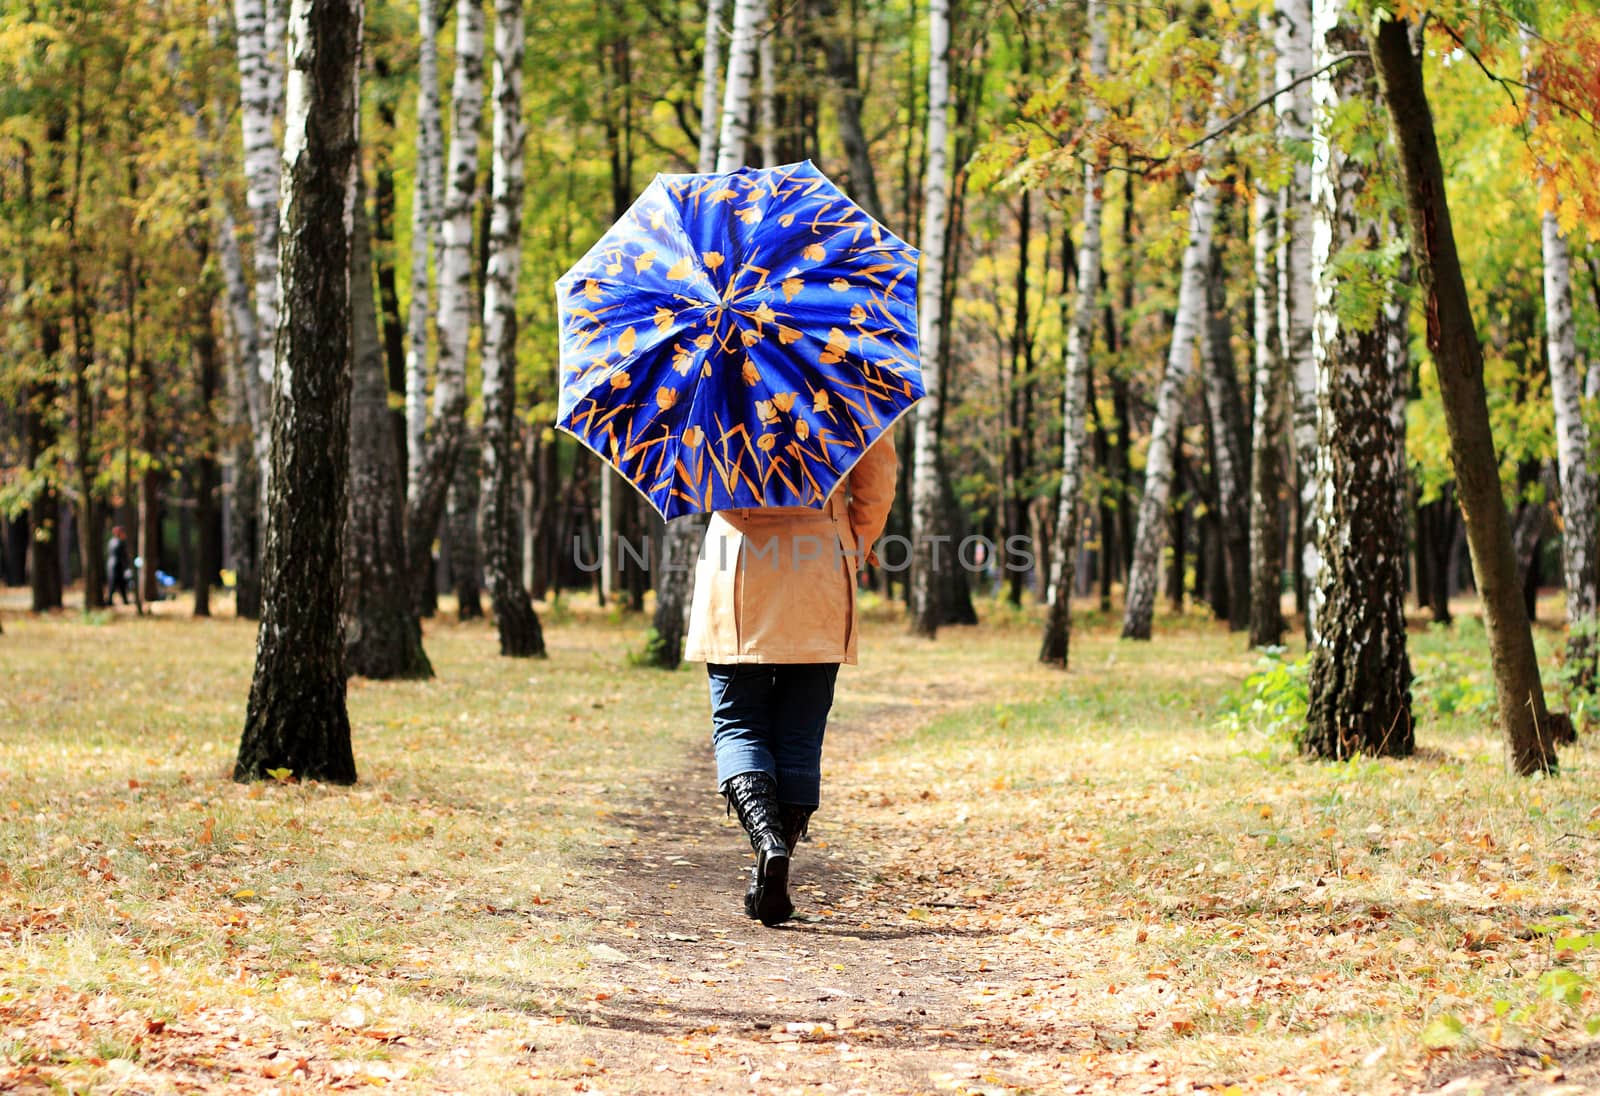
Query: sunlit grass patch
[1216,900]
[134,871]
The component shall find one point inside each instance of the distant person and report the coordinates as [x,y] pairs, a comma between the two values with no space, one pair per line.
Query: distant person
[119,566]
[774,615]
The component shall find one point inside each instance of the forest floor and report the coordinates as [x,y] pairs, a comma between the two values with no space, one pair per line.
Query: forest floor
[1114,880]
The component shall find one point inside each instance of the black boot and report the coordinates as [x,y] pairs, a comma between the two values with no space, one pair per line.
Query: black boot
[795,820]
[754,796]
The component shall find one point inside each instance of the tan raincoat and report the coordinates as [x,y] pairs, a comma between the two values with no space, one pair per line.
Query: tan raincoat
[779,584]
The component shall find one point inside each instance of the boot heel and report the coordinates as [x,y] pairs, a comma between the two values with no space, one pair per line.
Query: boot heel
[772,905]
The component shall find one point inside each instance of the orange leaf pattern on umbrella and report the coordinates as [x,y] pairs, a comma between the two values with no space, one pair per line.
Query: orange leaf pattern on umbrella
[738,339]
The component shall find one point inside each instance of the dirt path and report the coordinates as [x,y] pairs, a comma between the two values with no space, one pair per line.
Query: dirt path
[853,995]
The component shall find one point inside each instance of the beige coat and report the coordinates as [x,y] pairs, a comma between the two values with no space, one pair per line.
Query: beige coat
[779,584]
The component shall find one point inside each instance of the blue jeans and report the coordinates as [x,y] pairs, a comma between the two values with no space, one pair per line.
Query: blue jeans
[770,718]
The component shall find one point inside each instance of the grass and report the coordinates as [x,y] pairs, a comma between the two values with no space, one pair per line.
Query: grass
[1247,916]
[1185,892]
[133,870]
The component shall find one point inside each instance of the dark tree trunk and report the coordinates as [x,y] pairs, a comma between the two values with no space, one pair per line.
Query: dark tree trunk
[244,516]
[1458,358]
[44,567]
[837,39]
[543,520]
[461,526]
[1442,520]
[1230,436]
[204,475]
[382,636]
[297,719]
[394,329]
[1178,525]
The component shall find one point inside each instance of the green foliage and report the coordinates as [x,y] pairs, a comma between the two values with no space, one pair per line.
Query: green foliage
[1450,681]
[1273,700]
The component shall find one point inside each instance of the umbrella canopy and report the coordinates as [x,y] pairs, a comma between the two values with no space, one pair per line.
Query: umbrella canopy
[739,339]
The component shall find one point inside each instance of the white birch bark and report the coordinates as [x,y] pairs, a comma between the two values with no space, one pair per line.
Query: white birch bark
[1298,293]
[748,16]
[1580,509]
[709,68]
[1359,682]
[259,46]
[769,105]
[425,205]
[674,571]
[1080,341]
[427,491]
[455,251]
[1578,503]
[1151,530]
[925,486]
[514,618]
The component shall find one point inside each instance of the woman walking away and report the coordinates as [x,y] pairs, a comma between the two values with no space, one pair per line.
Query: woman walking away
[774,615]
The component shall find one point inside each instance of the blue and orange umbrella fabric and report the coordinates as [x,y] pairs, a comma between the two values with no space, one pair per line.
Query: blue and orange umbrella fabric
[739,339]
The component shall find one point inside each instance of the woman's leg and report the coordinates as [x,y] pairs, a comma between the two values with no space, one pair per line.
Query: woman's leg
[741,733]
[741,723]
[801,697]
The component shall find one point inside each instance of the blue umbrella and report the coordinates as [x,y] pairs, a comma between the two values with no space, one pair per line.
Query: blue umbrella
[739,339]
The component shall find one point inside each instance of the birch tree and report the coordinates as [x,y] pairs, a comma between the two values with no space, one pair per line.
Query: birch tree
[442,447]
[1580,509]
[1297,293]
[514,617]
[1267,423]
[426,200]
[1360,675]
[1151,528]
[926,488]
[675,573]
[1080,342]
[260,81]
[296,718]
[1578,502]
[709,80]
[1458,361]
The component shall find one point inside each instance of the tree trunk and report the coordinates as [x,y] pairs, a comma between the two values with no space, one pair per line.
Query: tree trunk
[1297,293]
[461,529]
[394,331]
[1231,457]
[441,449]
[837,39]
[681,545]
[1580,523]
[1458,359]
[204,469]
[1266,463]
[709,66]
[514,618]
[1166,428]
[297,718]
[748,16]
[927,473]
[382,636]
[1054,649]
[260,88]
[426,202]
[1360,675]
